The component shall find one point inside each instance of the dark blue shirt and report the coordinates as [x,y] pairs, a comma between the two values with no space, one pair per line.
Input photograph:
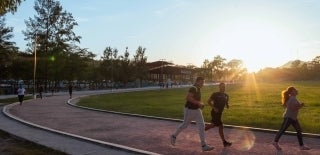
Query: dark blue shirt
[219,100]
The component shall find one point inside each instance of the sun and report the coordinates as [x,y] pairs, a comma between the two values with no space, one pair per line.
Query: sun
[257,43]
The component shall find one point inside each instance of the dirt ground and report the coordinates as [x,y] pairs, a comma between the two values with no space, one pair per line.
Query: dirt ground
[10,145]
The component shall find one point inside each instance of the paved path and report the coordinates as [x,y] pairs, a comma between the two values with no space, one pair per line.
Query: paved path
[54,140]
[151,135]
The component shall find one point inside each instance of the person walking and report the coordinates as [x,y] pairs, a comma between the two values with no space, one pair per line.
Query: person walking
[21,92]
[218,101]
[70,90]
[40,91]
[290,116]
[193,111]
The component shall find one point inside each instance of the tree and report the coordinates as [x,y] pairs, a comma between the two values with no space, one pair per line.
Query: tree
[205,70]
[7,49]
[218,66]
[125,71]
[234,69]
[9,6]
[140,64]
[315,65]
[52,29]
[108,65]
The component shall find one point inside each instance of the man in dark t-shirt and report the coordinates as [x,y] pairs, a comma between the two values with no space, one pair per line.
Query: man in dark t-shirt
[218,101]
[193,111]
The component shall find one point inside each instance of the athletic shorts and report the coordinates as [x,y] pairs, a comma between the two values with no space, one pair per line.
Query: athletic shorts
[20,98]
[216,118]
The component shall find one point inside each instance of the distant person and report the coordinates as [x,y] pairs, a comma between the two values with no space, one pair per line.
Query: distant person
[218,100]
[168,83]
[21,91]
[192,111]
[70,90]
[40,91]
[52,90]
[290,116]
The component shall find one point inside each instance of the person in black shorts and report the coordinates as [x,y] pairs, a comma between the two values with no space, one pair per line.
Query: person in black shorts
[218,100]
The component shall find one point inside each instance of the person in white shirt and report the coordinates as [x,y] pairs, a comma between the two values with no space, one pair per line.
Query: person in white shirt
[21,92]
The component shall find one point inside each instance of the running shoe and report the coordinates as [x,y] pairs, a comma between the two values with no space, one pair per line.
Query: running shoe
[227,144]
[207,147]
[173,139]
[276,145]
[304,147]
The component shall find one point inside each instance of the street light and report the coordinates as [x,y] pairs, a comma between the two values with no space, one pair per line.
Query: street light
[35,67]
[111,70]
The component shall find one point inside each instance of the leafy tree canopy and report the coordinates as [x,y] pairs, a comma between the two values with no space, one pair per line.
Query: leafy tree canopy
[9,6]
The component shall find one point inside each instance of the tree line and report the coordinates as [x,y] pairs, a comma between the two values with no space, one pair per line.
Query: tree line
[296,71]
[52,48]
[52,41]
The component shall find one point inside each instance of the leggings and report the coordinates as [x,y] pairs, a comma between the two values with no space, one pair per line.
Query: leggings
[285,124]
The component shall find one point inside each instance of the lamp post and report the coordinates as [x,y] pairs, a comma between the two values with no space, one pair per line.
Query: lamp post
[35,67]
[111,70]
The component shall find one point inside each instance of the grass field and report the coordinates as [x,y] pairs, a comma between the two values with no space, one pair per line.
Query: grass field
[12,146]
[251,104]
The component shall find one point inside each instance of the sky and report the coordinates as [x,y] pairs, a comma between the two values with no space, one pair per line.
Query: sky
[261,33]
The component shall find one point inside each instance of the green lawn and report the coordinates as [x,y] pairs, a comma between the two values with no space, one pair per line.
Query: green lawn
[9,145]
[13,99]
[251,104]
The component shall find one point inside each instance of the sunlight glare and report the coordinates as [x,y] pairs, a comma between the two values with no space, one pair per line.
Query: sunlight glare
[252,89]
[245,139]
[257,43]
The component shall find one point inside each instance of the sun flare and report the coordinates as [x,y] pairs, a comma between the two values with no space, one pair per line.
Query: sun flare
[251,40]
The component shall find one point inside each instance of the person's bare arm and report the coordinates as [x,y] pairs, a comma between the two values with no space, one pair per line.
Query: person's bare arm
[211,105]
[191,99]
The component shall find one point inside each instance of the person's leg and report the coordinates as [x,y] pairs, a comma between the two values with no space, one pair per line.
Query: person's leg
[200,125]
[218,122]
[20,99]
[221,133]
[285,124]
[213,121]
[188,116]
[209,126]
[297,127]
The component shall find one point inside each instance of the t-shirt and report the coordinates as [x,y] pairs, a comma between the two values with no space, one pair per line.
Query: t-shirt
[21,91]
[196,95]
[293,114]
[219,100]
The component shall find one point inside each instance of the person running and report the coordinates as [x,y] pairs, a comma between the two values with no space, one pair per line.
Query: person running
[70,90]
[192,111]
[217,101]
[290,116]
[21,92]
